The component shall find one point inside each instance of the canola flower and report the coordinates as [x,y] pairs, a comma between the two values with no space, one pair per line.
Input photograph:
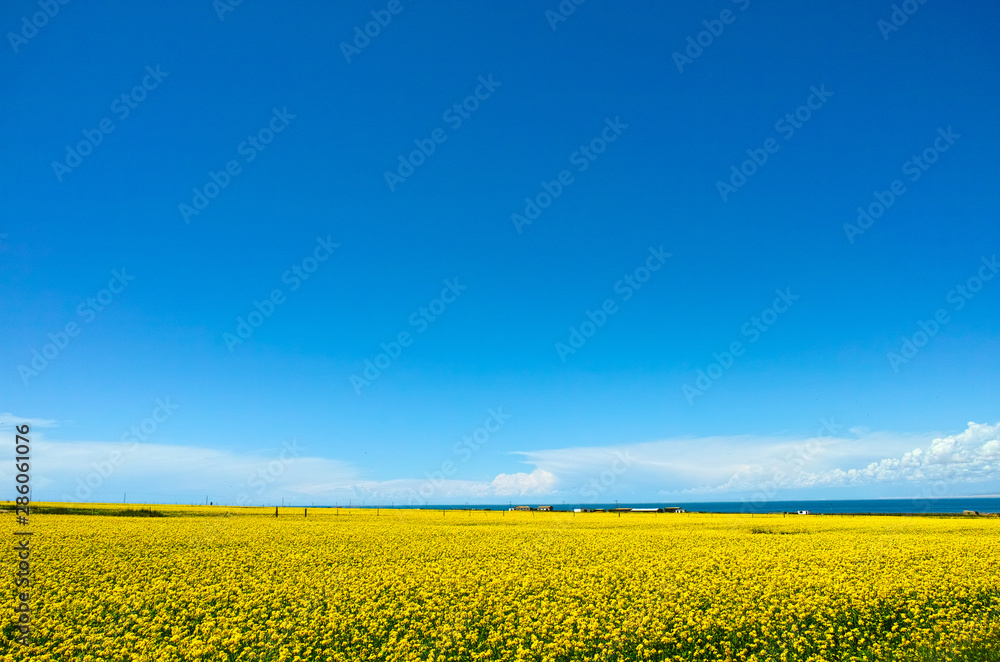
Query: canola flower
[547,587]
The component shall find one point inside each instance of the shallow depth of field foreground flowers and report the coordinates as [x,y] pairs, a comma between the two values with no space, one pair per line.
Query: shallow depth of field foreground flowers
[240,584]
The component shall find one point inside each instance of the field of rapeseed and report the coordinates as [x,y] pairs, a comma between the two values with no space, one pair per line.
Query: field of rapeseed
[406,585]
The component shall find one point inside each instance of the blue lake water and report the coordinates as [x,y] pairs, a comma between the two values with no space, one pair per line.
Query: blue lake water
[908,506]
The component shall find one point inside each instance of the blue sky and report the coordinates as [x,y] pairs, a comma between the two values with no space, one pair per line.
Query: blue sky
[632,131]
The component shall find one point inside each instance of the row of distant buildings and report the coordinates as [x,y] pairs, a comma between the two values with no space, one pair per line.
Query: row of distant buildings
[668,509]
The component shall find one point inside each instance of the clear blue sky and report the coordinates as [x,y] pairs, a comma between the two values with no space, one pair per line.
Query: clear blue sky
[675,127]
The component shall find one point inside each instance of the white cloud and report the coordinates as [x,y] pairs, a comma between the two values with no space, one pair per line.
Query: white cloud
[538,481]
[442,490]
[9,421]
[737,466]
[969,457]
[687,468]
[93,471]
[402,490]
[102,471]
[677,466]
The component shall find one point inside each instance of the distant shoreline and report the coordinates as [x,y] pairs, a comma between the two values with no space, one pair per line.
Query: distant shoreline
[950,507]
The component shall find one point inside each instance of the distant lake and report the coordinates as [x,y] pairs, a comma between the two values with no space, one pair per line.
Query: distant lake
[908,506]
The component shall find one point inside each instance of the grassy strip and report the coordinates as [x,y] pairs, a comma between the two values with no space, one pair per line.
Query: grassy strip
[83,510]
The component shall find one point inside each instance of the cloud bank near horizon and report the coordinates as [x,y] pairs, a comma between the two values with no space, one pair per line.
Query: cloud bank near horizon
[853,463]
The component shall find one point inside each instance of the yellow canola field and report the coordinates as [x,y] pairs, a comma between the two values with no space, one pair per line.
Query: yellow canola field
[419,585]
